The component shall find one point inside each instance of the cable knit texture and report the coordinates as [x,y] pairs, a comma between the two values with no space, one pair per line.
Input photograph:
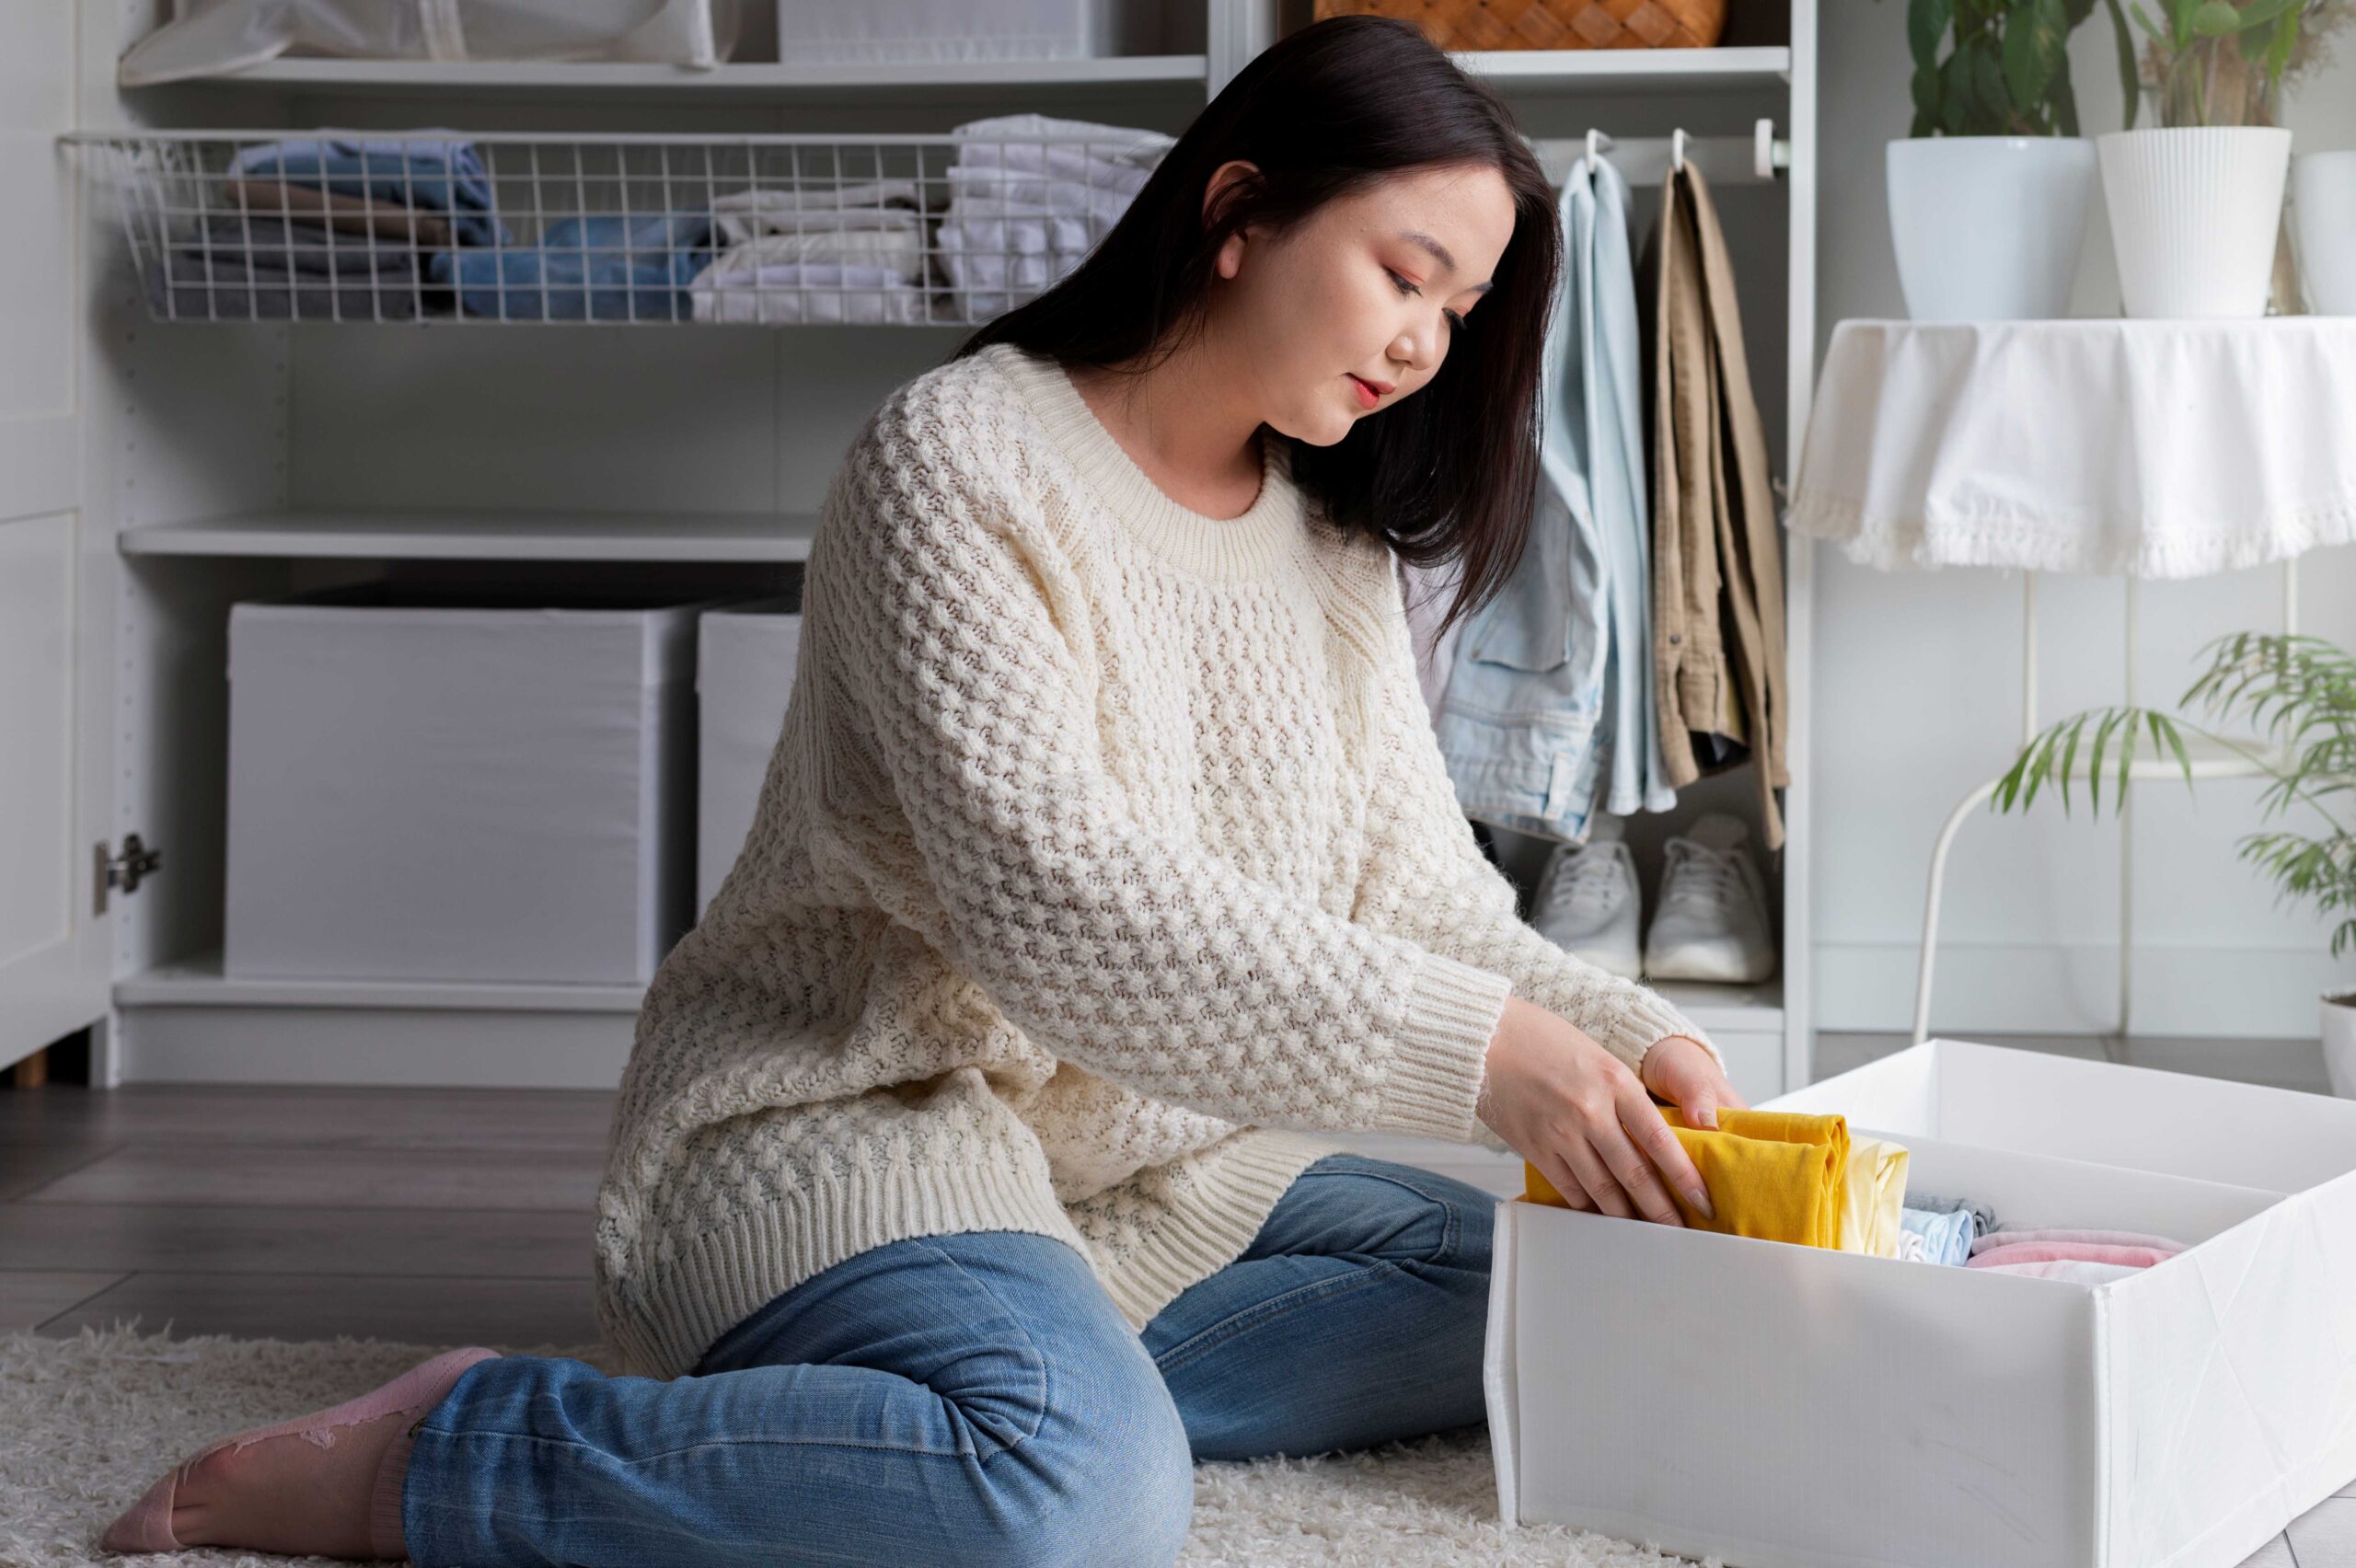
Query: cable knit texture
[1105,867]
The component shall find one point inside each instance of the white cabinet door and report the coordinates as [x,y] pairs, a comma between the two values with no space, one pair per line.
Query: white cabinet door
[55,579]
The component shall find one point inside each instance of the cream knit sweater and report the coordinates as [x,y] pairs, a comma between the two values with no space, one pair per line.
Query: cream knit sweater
[1106,863]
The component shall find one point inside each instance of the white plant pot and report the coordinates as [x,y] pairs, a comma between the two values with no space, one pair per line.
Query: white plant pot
[2323,229]
[1988,228]
[2339,1044]
[2194,213]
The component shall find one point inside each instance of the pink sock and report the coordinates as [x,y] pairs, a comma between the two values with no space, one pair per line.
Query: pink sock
[146,1525]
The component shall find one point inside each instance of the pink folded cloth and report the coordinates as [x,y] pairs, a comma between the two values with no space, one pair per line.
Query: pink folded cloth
[2080,1273]
[1987,1240]
[2066,1252]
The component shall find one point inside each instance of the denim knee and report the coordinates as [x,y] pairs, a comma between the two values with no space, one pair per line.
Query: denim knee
[1111,1492]
[1414,1215]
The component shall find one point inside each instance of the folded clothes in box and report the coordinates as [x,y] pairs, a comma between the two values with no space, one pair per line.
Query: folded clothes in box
[1779,1177]
[2172,1415]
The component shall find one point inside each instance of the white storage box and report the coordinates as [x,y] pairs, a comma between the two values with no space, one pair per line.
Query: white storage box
[442,788]
[876,32]
[1793,1406]
[208,37]
[746,659]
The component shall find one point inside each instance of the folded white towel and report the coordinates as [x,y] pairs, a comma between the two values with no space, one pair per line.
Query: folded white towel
[790,293]
[994,264]
[898,248]
[799,196]
[1111,155]
[741,215]
[1022,194]
[1023,212]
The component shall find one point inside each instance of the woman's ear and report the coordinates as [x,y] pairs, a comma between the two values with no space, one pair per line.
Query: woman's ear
[1216,192]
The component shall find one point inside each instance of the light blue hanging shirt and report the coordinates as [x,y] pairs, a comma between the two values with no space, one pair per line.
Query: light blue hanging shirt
[1552,672]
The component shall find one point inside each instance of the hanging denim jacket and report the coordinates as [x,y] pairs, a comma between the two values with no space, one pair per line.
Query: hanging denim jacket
[1551,675]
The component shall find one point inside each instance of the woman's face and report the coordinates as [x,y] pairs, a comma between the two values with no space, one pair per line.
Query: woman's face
[1354,307]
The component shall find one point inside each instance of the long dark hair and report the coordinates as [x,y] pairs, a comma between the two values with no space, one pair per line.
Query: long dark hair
[1447,474]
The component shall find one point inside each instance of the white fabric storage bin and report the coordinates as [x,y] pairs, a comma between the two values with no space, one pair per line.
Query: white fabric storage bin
[430,786]
[876,32]
[1795,1407]
[746,659]
[210,38]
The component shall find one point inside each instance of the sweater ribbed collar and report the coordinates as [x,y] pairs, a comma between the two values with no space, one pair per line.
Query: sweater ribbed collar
[1253,545]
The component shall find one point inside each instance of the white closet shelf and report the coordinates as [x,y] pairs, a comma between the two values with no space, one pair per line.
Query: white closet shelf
[1684,71]
[198,981]
[1739,1009]
[485,536]
[747,80]
[1623,70]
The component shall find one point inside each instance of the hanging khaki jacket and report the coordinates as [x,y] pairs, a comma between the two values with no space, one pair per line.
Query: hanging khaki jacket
[1718,634]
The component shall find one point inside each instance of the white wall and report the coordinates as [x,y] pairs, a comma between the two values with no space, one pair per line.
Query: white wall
[1917,694]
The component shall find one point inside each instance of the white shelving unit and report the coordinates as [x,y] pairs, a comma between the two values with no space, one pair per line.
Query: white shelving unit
[183,468]
[405,78]
[1556,69]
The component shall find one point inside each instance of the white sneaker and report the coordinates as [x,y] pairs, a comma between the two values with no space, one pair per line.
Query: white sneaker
[1585,902]
[1710,922]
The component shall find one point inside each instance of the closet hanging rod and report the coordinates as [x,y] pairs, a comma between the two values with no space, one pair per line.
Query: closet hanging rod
[1757,159]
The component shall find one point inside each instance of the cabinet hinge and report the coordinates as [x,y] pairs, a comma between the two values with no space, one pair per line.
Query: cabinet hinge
[123,870]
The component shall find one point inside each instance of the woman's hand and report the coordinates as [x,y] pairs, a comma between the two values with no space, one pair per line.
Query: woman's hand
[1574,1111]
[1683,1072]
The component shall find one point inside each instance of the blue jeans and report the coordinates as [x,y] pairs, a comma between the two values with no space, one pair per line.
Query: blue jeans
[976,1399]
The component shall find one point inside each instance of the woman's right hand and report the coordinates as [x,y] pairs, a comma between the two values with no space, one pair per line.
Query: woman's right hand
[1575,1111]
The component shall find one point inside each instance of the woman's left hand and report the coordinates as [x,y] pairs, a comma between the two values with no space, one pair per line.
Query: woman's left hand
[1682,1071]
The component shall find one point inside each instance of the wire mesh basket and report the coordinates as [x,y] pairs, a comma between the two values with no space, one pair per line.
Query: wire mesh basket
[773,230]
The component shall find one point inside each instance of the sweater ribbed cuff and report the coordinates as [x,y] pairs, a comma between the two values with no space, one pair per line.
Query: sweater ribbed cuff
[1645,1021]
[1443,1051]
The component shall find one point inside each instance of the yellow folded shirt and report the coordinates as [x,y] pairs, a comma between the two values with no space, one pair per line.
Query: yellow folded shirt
[1773,1175]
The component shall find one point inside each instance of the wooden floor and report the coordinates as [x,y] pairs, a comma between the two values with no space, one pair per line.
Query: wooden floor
[453,1216]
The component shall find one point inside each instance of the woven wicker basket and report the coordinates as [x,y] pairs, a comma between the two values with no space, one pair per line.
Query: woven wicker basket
[1550,24]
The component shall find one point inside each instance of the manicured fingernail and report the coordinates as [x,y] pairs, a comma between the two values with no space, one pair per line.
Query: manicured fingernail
[1699,1198]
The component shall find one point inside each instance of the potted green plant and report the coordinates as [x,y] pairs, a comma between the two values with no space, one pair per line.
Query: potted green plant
[2298,694]
[1990,189]
[2196,202]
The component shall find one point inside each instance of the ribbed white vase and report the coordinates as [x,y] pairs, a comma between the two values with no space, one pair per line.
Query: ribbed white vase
[2194,212]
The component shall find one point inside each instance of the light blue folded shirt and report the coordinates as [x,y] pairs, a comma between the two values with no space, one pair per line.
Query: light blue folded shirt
[1946,1235]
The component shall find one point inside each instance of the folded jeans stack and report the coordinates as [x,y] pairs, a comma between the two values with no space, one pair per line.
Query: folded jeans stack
[1023,212]
[836,253]
[592,267]
[329,229]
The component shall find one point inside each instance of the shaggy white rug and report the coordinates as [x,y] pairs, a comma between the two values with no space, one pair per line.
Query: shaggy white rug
[87,1423]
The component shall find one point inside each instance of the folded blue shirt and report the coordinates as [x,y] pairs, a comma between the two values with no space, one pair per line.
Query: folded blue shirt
[604,267]
[1946,1235]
